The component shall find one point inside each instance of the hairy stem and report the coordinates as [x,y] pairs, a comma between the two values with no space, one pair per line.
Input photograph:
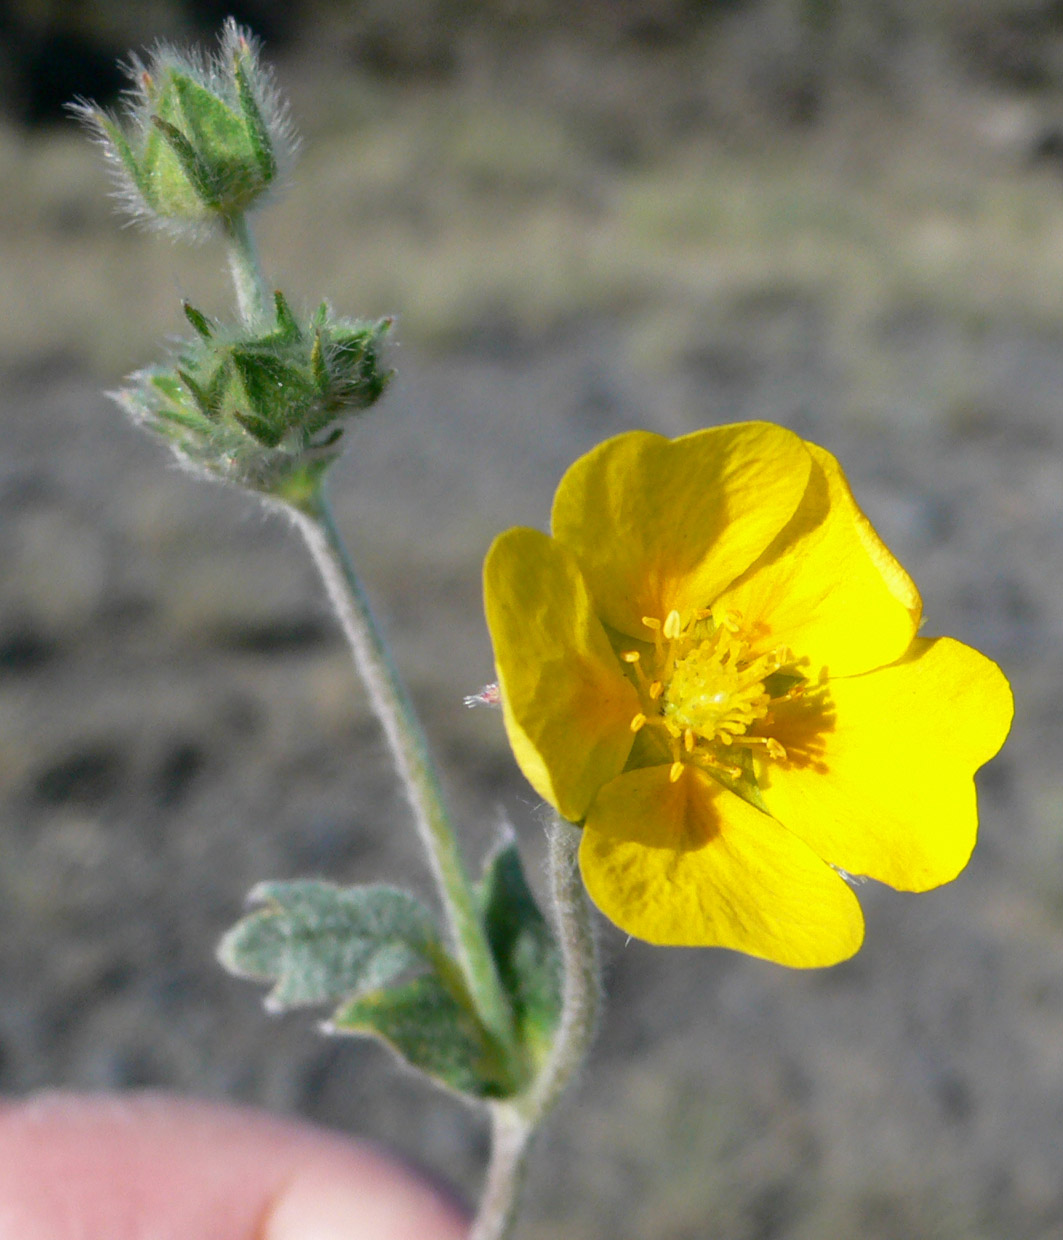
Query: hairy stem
[514,1124]
[409,749]
[252,299]
[511,1137]
[581,976]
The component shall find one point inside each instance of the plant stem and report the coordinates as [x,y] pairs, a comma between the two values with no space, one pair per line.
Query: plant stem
[513,1124]
[252,300]
[581,986]
[511,1136]
[409,749]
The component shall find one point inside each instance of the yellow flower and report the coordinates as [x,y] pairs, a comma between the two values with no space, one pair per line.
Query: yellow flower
[712,665]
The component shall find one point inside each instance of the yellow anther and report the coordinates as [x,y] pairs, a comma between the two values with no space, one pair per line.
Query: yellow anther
[702,686]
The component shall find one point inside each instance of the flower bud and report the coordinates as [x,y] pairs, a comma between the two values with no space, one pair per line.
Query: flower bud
[202,138]
[263,411]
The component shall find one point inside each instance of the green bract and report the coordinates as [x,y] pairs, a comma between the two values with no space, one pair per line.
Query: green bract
[202,139]
[262,410]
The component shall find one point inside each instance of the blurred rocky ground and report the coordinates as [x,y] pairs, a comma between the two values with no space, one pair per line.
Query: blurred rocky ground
[663,216]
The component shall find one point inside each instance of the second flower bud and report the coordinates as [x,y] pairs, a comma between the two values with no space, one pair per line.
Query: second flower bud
[203,138]
[263,410]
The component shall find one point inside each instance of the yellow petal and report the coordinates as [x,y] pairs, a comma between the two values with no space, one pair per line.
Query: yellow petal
[566,702]
[827,587]
[658,524]
[691,864]
[882,782]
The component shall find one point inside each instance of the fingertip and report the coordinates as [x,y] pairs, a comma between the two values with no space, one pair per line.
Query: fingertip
[135,1165]
[366,1197]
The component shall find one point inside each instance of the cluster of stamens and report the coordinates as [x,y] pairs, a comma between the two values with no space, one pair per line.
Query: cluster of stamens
[703,688]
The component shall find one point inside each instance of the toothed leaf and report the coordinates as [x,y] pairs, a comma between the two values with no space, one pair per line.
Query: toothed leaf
[318,943]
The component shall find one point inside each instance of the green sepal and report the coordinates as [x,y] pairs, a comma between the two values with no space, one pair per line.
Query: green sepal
[202,326]
[276,389]
[353,358]
[168,385]
[216,130]
[169,193]
[125,154]
[317,364]
[209,121]
[176,413]
[319,943]
[745,786]
[181,421]
[524,950]
[214,392]
[205,400]
[257,130]
[268,435]
[195,170]
[287,324]
[777,684]
[425,1025]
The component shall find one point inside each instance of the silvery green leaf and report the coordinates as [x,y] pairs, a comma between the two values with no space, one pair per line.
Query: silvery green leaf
[319,943]
[425,1025]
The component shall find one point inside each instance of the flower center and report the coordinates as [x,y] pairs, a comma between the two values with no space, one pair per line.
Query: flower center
[715,691]
[703,688]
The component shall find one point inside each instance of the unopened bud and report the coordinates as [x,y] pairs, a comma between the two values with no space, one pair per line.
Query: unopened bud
[202,138]
[264,411]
